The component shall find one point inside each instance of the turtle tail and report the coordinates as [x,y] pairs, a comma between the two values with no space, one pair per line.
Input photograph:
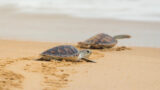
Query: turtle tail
[121,36]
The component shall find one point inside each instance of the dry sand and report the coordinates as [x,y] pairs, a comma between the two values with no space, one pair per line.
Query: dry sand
[136,68]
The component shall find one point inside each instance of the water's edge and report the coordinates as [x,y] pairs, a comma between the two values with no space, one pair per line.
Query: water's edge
[61,28]
[143,10]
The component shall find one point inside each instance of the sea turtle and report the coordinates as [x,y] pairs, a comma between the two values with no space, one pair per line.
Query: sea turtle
[67,52]
[101,41]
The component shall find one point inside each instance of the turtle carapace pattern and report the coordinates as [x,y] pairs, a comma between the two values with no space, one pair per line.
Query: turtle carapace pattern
[67,52]
[101,41]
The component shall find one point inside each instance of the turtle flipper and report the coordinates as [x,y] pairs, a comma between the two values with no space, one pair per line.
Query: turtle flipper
[121,36]
[87,60]
[44,59]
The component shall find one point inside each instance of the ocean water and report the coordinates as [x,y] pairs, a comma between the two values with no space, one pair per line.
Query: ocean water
[146,10]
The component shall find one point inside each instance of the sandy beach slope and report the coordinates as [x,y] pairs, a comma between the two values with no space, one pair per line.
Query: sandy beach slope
[133,69]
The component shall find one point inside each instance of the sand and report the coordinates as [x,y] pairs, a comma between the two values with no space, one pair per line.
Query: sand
[135,68]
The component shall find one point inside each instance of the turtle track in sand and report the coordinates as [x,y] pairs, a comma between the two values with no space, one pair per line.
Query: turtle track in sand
[8,79]
[32,80]
[39,75]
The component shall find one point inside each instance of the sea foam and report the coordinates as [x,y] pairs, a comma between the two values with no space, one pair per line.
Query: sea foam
[117,9]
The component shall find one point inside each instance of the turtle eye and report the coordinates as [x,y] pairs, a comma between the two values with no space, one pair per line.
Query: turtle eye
[88,51]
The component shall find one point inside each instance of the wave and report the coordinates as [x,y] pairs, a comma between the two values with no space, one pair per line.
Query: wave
[119,9]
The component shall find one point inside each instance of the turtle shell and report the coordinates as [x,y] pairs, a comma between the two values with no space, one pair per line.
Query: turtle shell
[62,52]
[99,41]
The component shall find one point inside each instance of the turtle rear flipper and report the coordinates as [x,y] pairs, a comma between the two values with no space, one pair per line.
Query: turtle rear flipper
[121,36]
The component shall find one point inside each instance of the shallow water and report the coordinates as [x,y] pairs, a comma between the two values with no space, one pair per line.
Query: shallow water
[118,9]
[60,28]
[148,38]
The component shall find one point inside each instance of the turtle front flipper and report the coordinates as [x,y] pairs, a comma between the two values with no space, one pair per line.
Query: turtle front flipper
[87,60]
[121,36]
[44,59]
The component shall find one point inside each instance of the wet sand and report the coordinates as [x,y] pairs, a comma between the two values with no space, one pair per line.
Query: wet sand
[136,68]
[63,28]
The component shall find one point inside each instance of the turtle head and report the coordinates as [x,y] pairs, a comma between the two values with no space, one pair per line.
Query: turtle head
[84,53]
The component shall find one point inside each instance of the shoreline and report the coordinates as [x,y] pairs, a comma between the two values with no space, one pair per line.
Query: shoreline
[61,28]
[65,43]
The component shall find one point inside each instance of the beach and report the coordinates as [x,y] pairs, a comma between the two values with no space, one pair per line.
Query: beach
[23,36]
[136,68]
